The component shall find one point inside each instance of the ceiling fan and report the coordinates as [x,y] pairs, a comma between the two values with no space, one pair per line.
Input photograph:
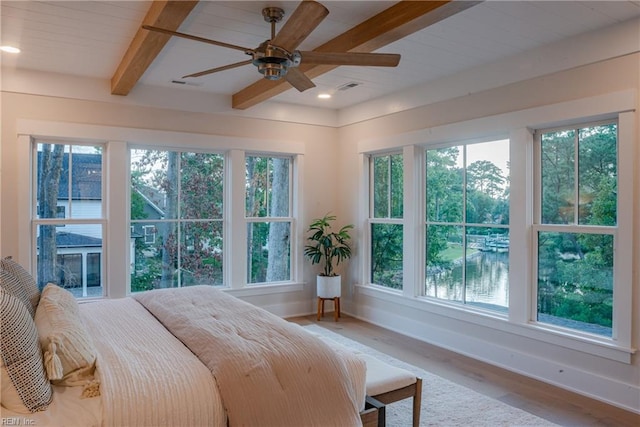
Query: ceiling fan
[278,58]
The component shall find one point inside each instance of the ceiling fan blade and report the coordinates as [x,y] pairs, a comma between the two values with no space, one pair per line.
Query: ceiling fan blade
[302,22]
[298,79]
[196,38]
[351,58]
[215,70]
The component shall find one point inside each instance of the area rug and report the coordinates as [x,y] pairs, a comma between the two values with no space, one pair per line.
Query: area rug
[444,403]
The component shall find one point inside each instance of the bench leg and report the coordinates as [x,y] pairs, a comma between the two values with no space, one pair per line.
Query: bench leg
[417,403]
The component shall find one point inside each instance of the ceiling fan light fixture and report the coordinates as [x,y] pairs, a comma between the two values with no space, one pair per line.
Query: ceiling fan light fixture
[272,70]
[273,62]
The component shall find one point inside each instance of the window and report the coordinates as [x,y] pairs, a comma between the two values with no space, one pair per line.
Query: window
[386,211]
[147,209]
[61,212]
[177,218]
[69,216]
[576,230]
[269,219]
[149,234]
[467,224]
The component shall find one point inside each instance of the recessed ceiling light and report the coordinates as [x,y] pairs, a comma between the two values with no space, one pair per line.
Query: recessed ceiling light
[324,95]
[9,49]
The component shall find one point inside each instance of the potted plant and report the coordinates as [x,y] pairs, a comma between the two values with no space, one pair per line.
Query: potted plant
[328,248]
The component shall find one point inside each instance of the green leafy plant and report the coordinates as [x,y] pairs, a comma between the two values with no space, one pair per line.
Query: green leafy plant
[328,247]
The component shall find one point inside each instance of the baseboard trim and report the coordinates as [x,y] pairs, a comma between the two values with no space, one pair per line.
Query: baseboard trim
[557,373]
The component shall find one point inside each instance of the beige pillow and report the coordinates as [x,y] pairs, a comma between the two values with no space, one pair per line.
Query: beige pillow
[69,352]
[24,384]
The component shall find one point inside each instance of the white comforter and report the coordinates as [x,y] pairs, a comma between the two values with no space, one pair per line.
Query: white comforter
[269,372]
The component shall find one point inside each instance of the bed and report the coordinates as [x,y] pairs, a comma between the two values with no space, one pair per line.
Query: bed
[192,356]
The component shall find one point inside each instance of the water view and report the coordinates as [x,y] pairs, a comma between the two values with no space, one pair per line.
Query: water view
[486,276]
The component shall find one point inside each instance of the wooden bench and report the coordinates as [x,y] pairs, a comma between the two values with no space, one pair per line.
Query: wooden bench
[387,383]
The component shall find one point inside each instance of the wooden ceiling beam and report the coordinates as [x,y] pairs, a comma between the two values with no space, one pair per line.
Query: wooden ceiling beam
[398,21]
[146,45]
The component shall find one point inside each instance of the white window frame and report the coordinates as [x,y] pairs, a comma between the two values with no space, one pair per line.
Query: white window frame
[464,223]
[615,230]
[65,219]
[371,219]
[178,219]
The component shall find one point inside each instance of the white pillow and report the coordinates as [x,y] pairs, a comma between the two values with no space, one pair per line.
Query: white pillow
[69,352]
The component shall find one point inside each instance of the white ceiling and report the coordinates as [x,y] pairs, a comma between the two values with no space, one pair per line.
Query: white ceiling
[89,38]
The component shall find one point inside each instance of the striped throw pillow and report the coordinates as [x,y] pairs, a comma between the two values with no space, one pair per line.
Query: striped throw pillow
[25,387]
[19,282]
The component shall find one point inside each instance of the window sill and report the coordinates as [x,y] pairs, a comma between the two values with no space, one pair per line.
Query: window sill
[265,289]
[247,291]
[601,348]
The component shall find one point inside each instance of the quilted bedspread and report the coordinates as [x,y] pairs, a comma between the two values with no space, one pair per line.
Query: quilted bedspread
[269,372]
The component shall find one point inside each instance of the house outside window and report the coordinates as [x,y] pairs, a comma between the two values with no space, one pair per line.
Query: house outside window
[68,224]
[467,224]
[177,218]
[576,228]
[385,219]
[268,214]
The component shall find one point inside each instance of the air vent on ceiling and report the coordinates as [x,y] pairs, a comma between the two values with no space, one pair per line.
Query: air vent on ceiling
[349,85]
[186,83]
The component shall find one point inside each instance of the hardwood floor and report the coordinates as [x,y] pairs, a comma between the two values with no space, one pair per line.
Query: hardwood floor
[546,401]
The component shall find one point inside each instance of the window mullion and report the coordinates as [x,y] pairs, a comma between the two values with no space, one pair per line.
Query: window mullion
[178,218]
[623,239]
[389,187]
[576,177]
[235,248]
[464,225]
[70,183]
[267,185]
